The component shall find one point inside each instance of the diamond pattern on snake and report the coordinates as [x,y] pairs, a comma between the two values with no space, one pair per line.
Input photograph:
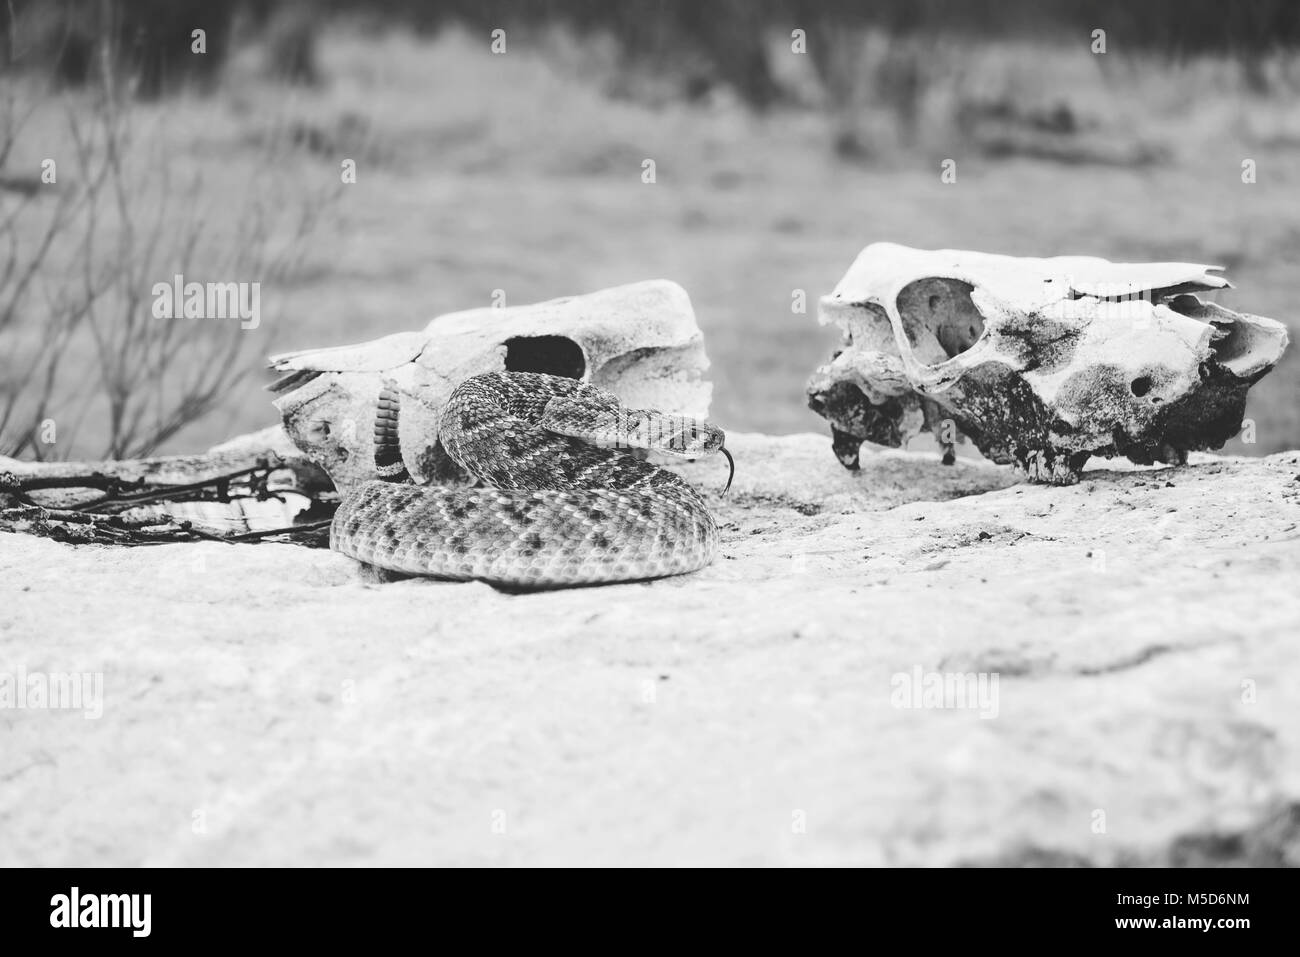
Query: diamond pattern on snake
[563,502]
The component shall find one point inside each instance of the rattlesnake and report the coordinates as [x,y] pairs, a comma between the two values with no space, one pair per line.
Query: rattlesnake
[559,510]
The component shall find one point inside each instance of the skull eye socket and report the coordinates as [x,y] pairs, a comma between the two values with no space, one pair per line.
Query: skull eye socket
[552,355]
[939,318]
[1141,385]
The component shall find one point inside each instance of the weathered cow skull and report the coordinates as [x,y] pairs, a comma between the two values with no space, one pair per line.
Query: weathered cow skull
[640,341]
[1040,362]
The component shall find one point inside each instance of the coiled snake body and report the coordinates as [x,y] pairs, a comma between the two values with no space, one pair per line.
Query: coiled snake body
[560,511]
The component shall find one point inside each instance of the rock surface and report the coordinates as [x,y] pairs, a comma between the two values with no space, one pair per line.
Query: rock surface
[265,704]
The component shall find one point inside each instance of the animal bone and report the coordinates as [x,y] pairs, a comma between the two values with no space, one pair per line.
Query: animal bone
[638,341]
[1040,362]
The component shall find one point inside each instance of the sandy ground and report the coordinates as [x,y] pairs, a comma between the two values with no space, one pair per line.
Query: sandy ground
[265,704]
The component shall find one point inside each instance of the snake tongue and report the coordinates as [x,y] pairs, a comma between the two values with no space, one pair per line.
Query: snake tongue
[732,463]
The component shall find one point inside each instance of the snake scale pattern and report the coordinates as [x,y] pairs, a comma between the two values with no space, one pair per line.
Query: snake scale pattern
[554,509]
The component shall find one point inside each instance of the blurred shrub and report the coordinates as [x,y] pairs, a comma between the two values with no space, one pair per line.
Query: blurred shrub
[289,30]
[144,44]
[731,36]
[713,41]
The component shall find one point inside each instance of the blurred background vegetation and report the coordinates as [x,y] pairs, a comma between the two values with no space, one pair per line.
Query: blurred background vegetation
[777,160]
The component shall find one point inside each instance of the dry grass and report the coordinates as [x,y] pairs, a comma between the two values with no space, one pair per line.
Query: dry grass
[478,172]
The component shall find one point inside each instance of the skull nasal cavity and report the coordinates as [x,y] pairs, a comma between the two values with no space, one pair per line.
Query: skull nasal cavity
[553,355]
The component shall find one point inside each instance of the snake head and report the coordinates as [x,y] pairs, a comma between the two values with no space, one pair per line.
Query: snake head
[694,439]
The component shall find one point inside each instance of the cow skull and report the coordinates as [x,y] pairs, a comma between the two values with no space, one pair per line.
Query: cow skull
[1040,362]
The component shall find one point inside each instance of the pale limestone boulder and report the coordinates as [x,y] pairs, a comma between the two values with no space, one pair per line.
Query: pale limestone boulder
[1040,362]
[1141,625]
[640,341]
